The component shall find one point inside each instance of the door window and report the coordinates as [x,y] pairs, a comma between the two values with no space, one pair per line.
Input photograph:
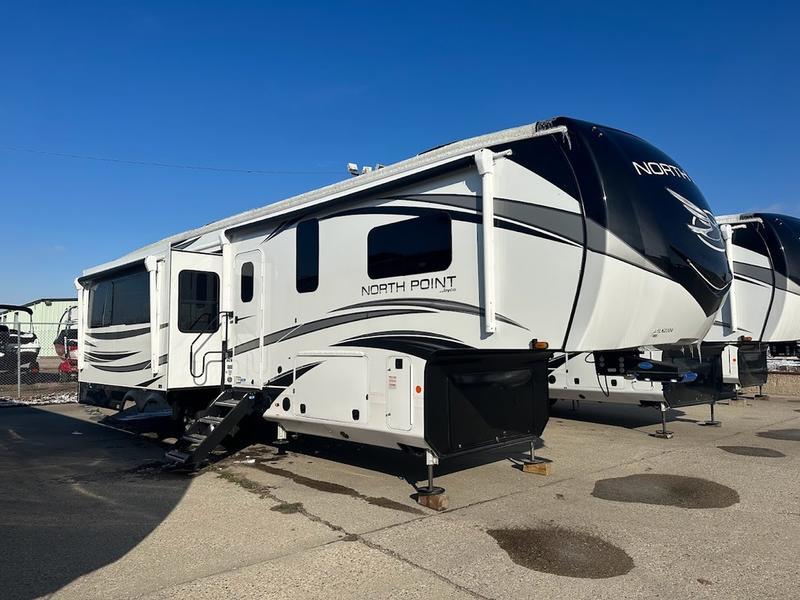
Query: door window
[198,302]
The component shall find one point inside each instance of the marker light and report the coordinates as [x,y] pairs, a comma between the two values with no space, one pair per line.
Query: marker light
[537,345]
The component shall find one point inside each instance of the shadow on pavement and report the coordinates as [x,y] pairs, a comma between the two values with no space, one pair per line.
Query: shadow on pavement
[76,496]
[403,465]
[619,415]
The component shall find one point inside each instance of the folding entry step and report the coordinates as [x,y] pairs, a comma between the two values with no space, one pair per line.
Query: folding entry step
[220,419]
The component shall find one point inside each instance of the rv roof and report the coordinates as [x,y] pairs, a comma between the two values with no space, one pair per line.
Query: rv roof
[337,190]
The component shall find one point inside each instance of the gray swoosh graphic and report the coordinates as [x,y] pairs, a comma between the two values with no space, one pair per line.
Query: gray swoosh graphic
[125,368]
[293,332]
[563,223]
[762,274]
[118,335]
[444,305]
[246,346]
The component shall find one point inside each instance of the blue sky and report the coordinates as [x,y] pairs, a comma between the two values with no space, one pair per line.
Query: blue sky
[308,87]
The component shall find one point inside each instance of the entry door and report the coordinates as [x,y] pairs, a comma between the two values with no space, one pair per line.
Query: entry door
[246,325]
[195,327]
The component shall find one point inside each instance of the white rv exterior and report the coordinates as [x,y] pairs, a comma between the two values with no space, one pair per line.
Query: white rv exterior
[761,310]
[403,307]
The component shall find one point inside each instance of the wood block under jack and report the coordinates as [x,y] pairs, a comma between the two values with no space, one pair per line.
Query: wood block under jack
[538,468]
[435,502]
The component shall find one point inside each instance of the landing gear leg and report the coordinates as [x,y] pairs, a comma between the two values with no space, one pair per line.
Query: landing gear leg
[430,490]
[431,496]
[760,394]
[539,466]
[712,422]
[282,441]
[663,433]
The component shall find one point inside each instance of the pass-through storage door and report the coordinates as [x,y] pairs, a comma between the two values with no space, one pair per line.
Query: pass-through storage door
[246,325]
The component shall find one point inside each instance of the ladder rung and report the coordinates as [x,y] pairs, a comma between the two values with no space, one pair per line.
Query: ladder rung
[211,420]
[193,438]
[178,456]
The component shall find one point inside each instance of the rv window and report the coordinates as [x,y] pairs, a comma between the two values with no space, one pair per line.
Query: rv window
[246,282]
[120,300]
[198,302]
[307,256]
[100,304]
[130,299]
[420,245]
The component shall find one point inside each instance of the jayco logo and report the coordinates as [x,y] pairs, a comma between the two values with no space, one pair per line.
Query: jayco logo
[702,224]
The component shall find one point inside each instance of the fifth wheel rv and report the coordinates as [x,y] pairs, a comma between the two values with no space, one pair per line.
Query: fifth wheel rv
[761,312]
[410,307]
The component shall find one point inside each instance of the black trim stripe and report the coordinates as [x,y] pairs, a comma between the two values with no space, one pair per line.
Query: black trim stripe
[286,379]
[118,335]
[455,215]
[149,381]
[441,305]
[421,346]
[557,221]
[752,281]
[246,347]
[185,243]
[320,324]
[763,274]
[409,332]
[124,368]
[108,356]
[556,362]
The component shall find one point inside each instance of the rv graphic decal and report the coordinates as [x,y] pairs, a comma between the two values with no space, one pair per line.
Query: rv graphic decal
[703,224]
[416,343]
[444,284]
[439,305]
[655,168]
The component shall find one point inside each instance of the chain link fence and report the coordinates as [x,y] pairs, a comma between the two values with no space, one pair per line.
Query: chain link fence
[38,362]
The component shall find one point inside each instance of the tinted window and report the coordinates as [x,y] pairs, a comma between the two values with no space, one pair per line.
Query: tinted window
[420,245]
[246,282]
[100,304]
[131,299]
[307,256]
[198,301]
[120,300]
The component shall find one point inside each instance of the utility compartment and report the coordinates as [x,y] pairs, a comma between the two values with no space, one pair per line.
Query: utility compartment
[708,369]
[483,399]
[752,365]
[331,386]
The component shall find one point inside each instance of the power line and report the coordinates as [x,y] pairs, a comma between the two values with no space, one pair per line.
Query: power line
[150,163]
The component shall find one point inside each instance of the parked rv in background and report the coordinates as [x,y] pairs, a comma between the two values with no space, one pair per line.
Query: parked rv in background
[760,314]
[762,311]
[413,306]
